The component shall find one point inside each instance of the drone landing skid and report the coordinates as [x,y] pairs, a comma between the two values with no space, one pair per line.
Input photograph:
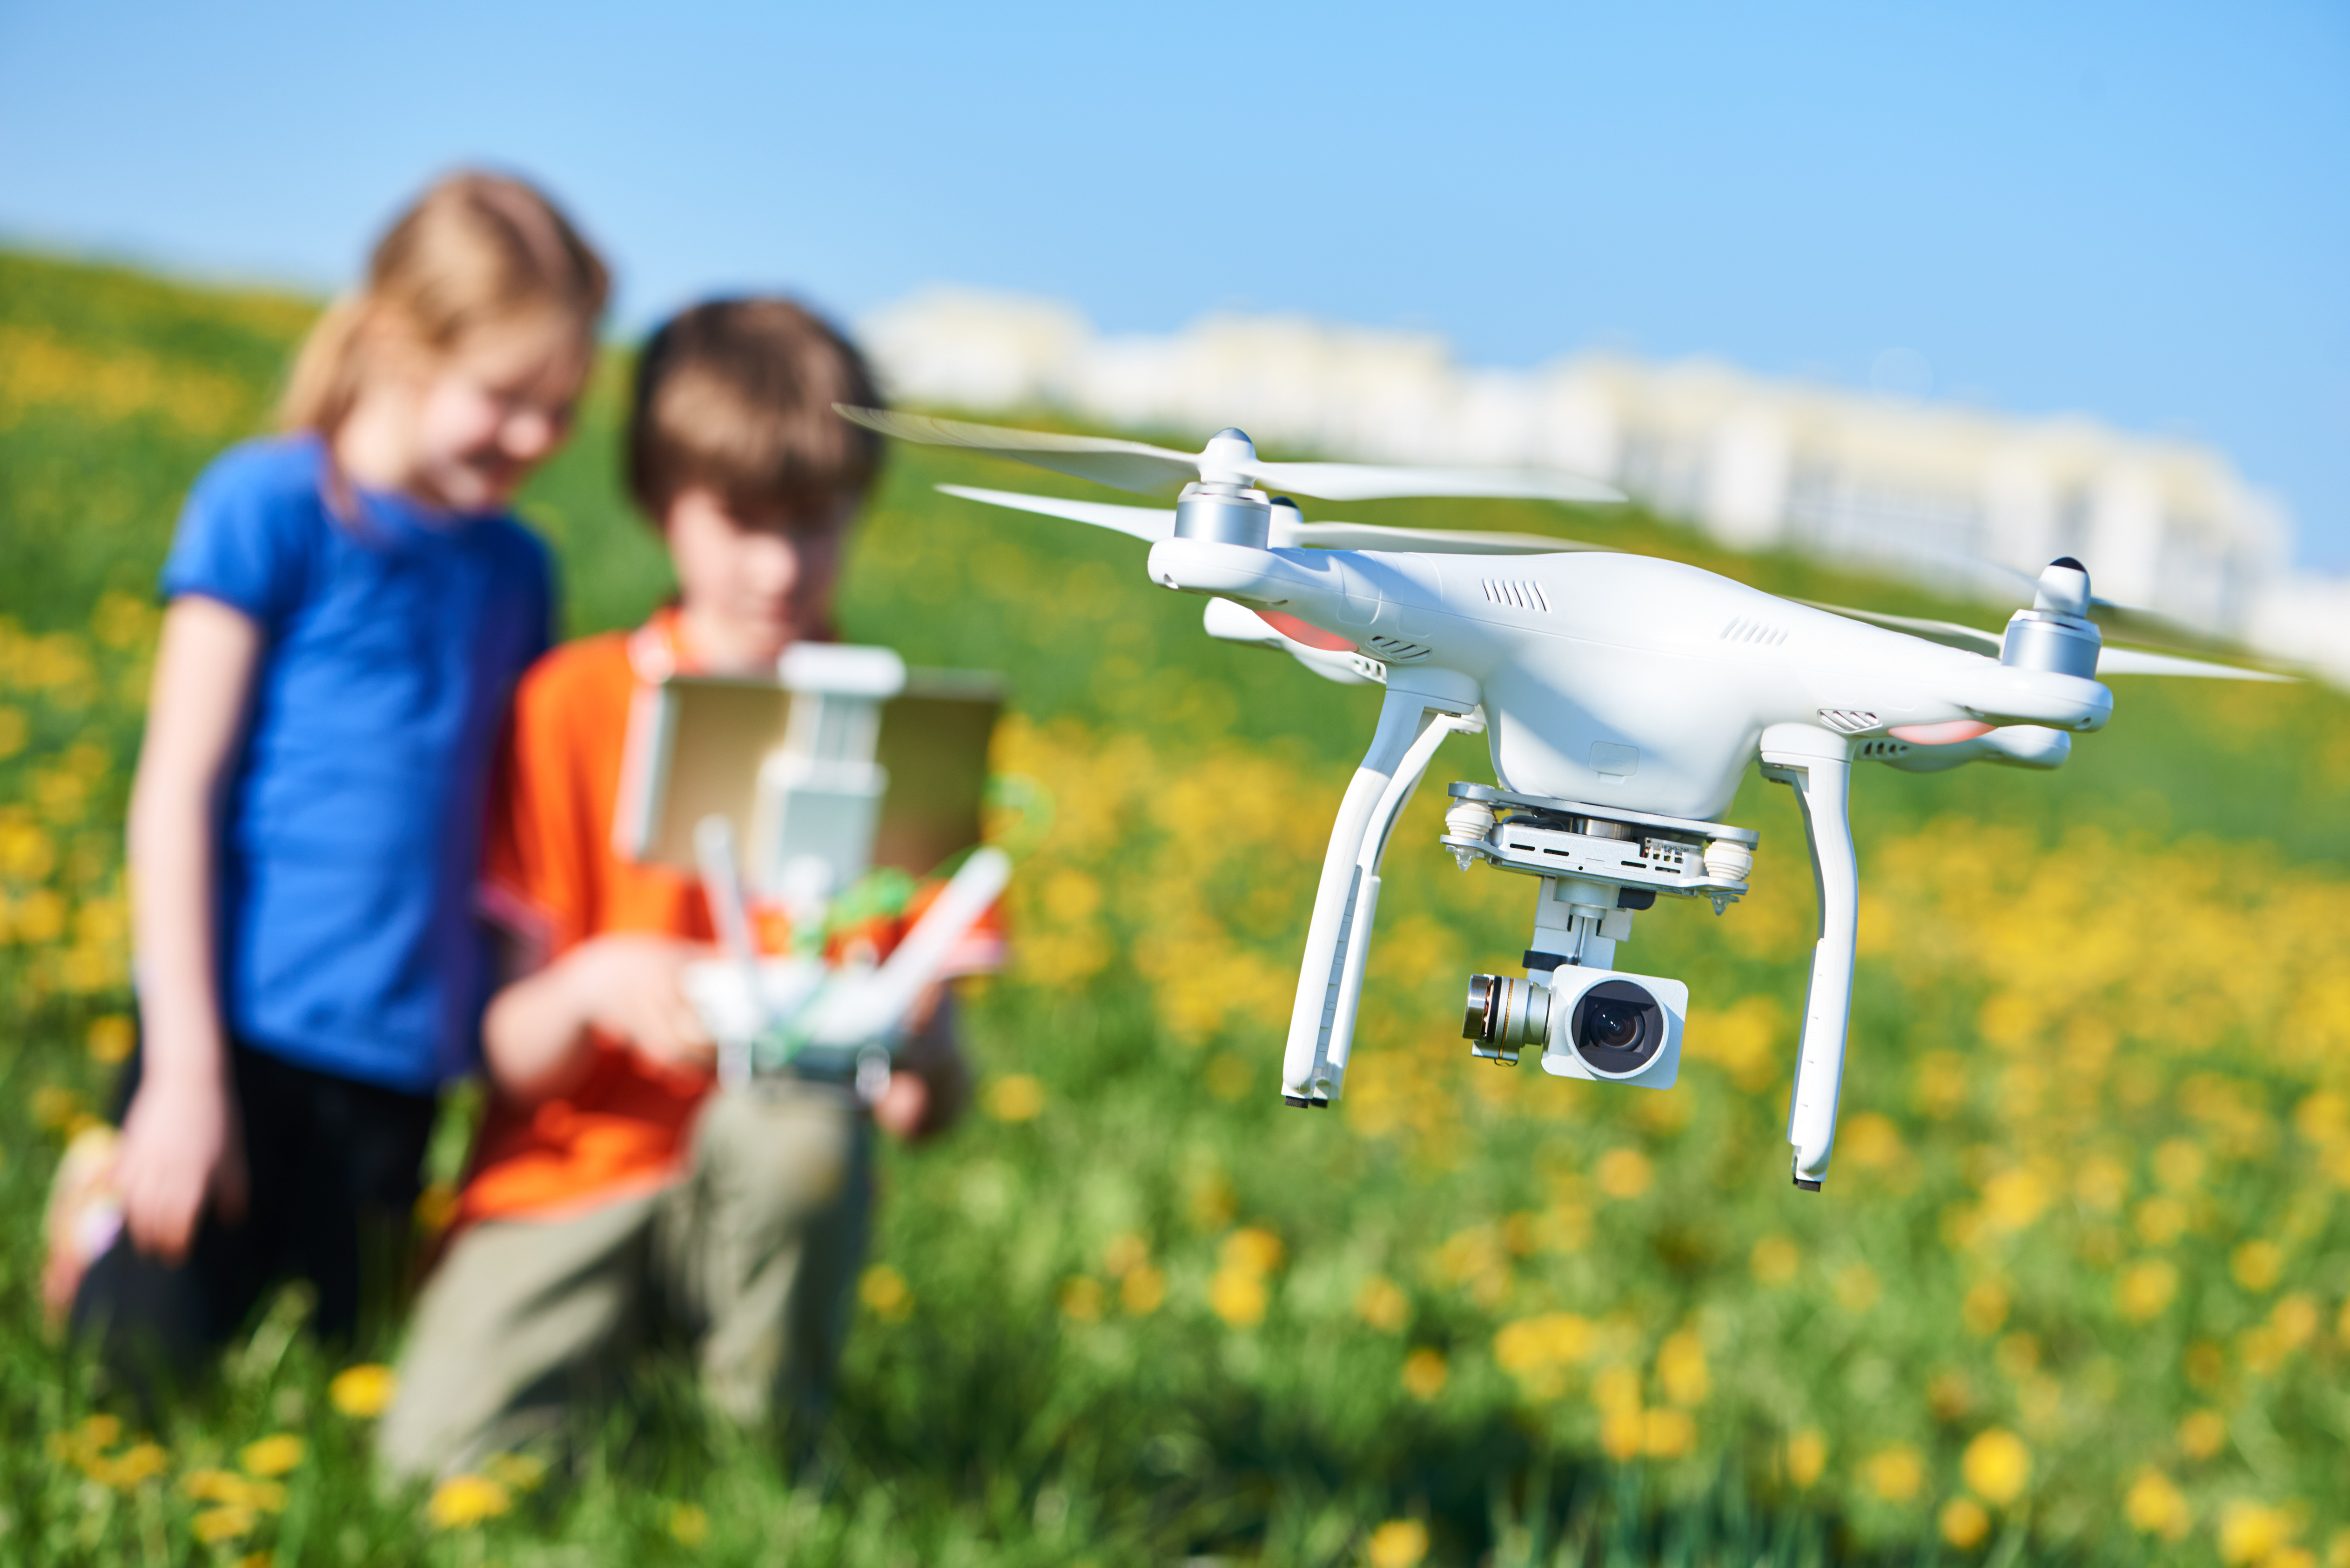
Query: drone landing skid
[1421,707]
[1817,766]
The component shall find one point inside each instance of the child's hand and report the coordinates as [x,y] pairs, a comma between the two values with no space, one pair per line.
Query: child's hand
[632,988]
[904,1106]
[181,1144]
[928,1091]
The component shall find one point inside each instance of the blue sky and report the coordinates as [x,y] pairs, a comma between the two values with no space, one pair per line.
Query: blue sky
[2140,212]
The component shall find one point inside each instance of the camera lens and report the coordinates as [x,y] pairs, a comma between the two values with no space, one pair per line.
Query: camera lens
[1617,1028]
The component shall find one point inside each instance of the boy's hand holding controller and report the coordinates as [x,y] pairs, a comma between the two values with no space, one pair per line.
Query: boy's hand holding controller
[630,987]
[627,985]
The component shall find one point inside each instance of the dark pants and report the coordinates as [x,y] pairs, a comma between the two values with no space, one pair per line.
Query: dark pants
[335,1167]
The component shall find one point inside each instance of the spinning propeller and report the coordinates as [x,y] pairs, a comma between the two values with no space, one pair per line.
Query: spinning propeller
[2060,591]
[1229,458]
[1287,529]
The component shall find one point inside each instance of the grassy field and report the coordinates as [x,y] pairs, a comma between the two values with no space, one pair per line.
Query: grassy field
[2076,1291]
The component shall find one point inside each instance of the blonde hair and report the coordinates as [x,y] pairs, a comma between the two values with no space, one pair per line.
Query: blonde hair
[475,249]
[737,396]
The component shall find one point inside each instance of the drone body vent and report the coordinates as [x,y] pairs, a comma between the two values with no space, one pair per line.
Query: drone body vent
[1396,650]
[1847,720]
[1518,594]
[1754,631]
[1881,749]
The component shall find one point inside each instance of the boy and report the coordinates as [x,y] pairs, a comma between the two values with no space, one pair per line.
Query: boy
[614,1200]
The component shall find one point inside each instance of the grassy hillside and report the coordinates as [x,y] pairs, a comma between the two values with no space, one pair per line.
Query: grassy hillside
[2076,1290]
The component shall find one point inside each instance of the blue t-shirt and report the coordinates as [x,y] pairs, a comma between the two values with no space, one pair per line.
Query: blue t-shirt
[351,838]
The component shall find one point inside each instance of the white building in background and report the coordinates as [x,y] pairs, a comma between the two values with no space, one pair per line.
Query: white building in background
[2165,524]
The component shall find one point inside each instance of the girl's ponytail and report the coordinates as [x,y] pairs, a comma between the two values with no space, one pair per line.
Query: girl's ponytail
[475,249]
[326,372]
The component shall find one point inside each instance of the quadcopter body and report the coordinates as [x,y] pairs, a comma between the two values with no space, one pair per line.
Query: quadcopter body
[1622,698]
[1632,682]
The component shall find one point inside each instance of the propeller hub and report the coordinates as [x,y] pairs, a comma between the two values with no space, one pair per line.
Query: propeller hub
[1229,458]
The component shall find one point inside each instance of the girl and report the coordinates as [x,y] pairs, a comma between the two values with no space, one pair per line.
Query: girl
[351,605]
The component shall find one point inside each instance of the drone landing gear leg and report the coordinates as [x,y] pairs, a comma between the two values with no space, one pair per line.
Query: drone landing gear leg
[1818,766]
[1308,1074]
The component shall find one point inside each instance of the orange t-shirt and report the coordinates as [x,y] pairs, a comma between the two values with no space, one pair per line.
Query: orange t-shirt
[550,875]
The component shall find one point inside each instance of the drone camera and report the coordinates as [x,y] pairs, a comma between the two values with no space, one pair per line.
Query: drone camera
[1616,1028]
[1505,1016]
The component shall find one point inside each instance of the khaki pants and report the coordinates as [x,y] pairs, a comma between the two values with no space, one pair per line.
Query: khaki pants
[746,1262]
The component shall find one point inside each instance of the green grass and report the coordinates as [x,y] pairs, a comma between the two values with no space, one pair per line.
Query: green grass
[2099,1018]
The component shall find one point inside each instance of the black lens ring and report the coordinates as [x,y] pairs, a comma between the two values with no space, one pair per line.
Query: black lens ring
[1621,1062]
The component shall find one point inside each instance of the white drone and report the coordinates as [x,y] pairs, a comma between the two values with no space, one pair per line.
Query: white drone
[1622,698]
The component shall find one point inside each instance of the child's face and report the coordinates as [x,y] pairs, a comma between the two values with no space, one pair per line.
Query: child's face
[751,586]
[483,416]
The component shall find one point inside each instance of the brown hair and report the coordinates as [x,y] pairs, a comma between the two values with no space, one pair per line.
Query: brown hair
[737,396]
[475,249]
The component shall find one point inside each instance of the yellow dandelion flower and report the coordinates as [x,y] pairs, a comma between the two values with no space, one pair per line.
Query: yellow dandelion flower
[1997,1466]
[1398,1543]
[1681,1368]
[1143,1291]
[1775,1261]
[2202,1434]
[1624,1173]
[1238,1296]
[2295,1319]
[464,1500]
[1616,1390]
[1018,1097]
[1124,1253]
[225,1487]
[1964,1523]
[1896,1473]
[1253,1250]
[139,1463]
[54,1107]
[272,1456]
[1667,1434]
[363,1391]
[1081,1298]
[1807,1456]
[1985,1310]
[1535,1344]
[2253,1532]
[2256,1265]
[2145,1288]
[224,1522]
[268,1496]
[688,1524]
[885,1292]
[2154,1506]
[110,1038]
[1425,1373]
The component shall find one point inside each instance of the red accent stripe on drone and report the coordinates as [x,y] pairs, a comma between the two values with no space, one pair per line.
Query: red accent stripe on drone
[1296,631]
[1948,734]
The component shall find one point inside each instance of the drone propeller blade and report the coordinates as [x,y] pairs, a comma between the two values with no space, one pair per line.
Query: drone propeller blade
[2110,661]
[1147,523]
[1421,541]
[1371,482]
[1154,470]
[1949,634]
[1122,464]
[2132,661]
